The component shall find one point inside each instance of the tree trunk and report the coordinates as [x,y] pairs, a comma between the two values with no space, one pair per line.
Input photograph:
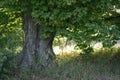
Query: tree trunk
[37,52]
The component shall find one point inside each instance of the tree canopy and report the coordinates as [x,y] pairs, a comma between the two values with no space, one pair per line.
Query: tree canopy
[83,21]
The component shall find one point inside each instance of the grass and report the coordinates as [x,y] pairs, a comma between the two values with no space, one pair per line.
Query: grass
[101,65]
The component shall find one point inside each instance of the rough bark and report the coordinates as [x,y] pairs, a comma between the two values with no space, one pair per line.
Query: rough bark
[37,52]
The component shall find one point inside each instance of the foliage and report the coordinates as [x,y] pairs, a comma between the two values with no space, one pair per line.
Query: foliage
[78,20]
[7,64]
[11,40]
[83,21]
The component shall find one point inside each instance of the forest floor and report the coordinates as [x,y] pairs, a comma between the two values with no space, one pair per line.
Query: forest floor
[102,65]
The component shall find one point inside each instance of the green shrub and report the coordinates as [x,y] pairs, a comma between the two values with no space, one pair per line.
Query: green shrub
[7,63]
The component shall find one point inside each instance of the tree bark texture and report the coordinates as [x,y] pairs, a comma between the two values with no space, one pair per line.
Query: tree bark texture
[37,52]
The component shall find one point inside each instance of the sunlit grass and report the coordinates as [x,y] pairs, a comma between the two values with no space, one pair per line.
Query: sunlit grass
[102,65]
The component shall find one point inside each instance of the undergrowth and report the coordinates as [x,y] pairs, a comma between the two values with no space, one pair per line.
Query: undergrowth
[101,65]
[7,64]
